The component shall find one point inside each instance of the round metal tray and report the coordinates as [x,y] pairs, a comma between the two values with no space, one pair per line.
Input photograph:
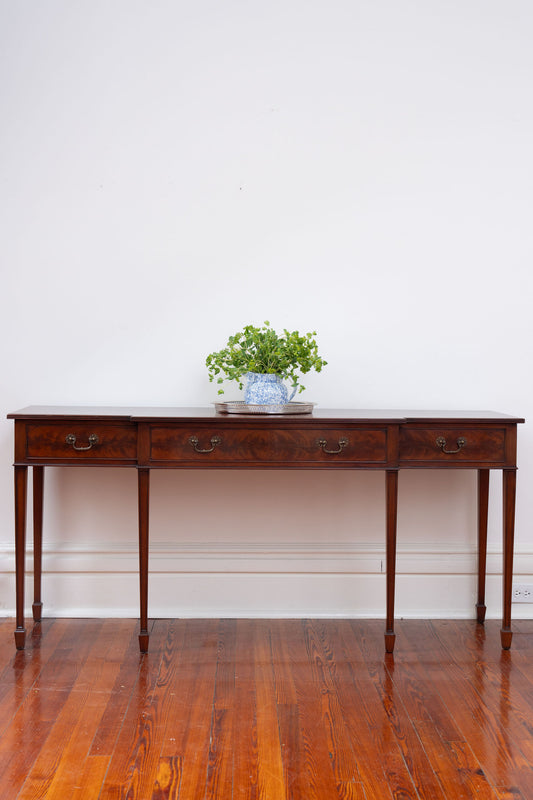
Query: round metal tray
[240,407]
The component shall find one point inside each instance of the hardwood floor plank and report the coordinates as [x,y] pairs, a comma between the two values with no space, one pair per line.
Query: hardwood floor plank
[280,635]
[226,666]
[269,770]
[295,777]
[219,782]
[339,745]
[221,746]
[219,768]
[311,682]
[244,743]
[170,685]
[186,729]
[88,783]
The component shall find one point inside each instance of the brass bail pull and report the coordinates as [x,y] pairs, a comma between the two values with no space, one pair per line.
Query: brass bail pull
[441,442]
[341,445]
[193,441]
[71,439]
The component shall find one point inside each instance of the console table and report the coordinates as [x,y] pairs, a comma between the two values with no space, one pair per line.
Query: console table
[198,438]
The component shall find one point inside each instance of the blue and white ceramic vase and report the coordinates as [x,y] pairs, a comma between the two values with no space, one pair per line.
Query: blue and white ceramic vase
[262,389]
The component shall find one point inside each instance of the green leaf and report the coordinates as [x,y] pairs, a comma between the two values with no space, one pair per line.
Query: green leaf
[263,350]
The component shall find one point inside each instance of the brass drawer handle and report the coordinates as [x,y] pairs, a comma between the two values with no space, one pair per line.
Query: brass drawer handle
[323,443]
[441,442]
[71,439]
[193,440]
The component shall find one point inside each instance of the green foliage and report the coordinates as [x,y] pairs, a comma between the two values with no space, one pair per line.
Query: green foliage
[262,350]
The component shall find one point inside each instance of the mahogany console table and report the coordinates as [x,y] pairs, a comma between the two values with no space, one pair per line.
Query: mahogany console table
[198,438]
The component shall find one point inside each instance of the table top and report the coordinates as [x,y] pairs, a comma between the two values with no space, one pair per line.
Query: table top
[177,414]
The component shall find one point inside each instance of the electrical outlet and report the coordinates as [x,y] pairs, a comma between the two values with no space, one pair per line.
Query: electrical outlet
[523,593]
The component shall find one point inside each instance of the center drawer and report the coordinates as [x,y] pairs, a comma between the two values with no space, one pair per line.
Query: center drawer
[219,445]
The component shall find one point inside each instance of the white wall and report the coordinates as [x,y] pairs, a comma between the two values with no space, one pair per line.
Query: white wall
[171,171]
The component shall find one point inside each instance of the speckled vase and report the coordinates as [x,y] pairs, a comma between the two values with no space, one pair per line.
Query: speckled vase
[264,389]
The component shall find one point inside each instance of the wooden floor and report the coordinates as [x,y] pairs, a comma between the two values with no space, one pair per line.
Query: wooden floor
[271,709]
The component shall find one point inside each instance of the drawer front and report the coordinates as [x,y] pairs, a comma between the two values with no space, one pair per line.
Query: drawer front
[81,441]
[448,445]
[264,446]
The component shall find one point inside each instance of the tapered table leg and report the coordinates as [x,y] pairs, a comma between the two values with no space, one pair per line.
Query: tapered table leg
[144,511]
[482,518]
[392,515]
[21,481]
[509,499]
[38,491]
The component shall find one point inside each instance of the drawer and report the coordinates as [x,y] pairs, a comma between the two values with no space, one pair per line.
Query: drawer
[452,444]
[263,446]
[81,441]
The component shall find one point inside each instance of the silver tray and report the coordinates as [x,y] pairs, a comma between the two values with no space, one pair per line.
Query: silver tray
[240,407]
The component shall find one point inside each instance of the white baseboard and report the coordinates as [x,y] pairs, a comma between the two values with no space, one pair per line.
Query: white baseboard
[262,580]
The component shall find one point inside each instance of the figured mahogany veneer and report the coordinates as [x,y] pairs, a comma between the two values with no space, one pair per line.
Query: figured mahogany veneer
[49,443]
[150,438]
[264,446]
[482,445]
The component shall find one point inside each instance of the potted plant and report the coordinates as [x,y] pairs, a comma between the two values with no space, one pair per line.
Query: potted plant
[264,359]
